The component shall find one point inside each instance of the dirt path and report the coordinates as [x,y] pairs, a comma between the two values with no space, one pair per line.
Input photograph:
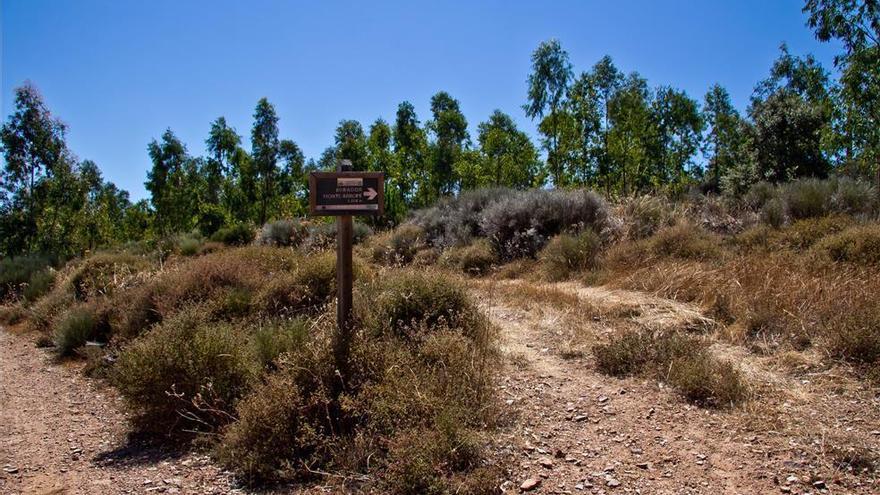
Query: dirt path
[582,432]
[61,433]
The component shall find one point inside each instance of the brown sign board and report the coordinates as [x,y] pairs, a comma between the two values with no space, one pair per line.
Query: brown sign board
[346,193]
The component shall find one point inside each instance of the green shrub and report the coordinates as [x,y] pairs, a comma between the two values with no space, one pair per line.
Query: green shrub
[805,233]
[400,246]
[520,224]
[645,215]
[760,194]
[39,285]
[859,245]
[773,213]
[236,235]
[100,275]
[807,198]
[409,304]
[271,341]
[475,259]
[188,244]
[282,233]
[80,325]
[682,361]
[853,197]
[566,254]
[17,271]
[456,221]
[185,374]
[685,241]
[275,431]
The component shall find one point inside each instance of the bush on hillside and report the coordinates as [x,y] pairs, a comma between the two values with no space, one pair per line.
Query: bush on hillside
[457,221]
[188,244]
[409,304]
[400,246]
[186,374]
[808,198]
[805,233]
[520,224]
[773,213]
[38,285]
[645,215]
[685,241]
[17,271]
[859,245]
[80,325]
[760,194]
[282,233]
[566,254]
[474,259]
[323,235]
[236,235]
[853,197]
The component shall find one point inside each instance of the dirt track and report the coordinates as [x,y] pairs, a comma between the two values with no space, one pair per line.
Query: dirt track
[61,433]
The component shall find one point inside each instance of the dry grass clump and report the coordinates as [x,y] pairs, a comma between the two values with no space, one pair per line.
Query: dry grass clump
[567,254]
[474,259]
[803,234]
[859,245]
[681,360]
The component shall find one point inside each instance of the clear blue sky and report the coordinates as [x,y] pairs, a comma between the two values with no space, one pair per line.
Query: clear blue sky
[120,72]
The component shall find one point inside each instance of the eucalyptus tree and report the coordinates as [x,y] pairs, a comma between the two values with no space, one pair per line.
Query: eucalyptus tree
[631,135]
[264,149]
[724,140]
[448,127]
[856,24]
[586,116]
[509,157]
[351,143]
[606,80]
[34,151]
[679,129]
[548,86]
[410,148]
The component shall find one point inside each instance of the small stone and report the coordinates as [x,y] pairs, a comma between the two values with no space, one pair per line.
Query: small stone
[530,484]
[792,479]
[820,484]
[581,417]
[603,399]
[785,489]
[642,465]
[546,462]
[10,469]
[612,482]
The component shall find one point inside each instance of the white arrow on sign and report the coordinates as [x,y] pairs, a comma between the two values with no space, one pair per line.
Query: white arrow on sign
[370,193]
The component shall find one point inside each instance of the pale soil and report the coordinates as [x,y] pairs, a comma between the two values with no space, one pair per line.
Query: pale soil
[63,433]
[607,435]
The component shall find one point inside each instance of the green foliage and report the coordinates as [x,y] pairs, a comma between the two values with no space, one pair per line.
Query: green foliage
[685,241]
[566,254]
[236,235]
[773,213]
[17,273]
[645,215]
[185,374]
[410,305]
[80,325]
[282,233]
[808,198]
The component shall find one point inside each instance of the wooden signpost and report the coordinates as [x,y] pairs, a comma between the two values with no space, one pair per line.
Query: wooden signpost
[342,194]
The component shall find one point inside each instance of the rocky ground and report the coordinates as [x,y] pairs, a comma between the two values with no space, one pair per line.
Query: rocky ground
[573,430]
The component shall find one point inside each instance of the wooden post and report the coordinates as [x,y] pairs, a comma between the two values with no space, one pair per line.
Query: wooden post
[344,282]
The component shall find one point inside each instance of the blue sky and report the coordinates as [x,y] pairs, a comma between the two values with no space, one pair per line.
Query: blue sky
[120,72]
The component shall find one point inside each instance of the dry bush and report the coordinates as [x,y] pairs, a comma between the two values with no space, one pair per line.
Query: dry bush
[567,254]
[859,245]
[12,314]
[408,303]
[803,234]
[186,374]
[681,360]
[80,325]
[282,233]
[16,273]
[400,246]
[686,242]
[475,259]
[456,221]
[808,198]
[645,215]
[520,224]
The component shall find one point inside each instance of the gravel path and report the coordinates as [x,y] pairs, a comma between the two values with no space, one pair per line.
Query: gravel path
[61,433]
